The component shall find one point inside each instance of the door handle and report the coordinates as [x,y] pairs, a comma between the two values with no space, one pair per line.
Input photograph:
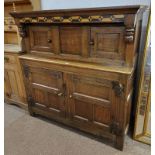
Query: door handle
[91,42]
[49,40]
[60,94]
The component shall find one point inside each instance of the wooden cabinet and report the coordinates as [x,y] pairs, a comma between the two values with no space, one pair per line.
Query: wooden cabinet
[14,90]
[91,100]
[79,66]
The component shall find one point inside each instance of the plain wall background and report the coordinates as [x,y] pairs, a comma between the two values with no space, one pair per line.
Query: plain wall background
[65,4]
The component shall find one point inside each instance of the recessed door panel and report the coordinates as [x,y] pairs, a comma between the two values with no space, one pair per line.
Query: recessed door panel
[74,40]
[108,42]
[44,39]
[90,100]
[12,89]
[46,88]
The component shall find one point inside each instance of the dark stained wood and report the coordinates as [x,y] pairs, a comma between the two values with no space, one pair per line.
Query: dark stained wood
[79,64]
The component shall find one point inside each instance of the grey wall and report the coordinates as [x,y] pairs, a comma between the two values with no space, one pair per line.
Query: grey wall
[65,4]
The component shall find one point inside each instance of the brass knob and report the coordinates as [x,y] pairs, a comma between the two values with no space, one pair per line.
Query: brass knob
[60,94]
[70,96]
[91,42]
[49,40]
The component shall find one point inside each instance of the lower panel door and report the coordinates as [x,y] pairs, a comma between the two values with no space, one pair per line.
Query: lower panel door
[92,101]
[46,89]
[12,86]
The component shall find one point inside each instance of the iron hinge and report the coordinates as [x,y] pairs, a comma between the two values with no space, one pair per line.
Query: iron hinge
[115,129]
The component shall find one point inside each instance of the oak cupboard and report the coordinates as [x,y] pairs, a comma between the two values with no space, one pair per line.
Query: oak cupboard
[79,65]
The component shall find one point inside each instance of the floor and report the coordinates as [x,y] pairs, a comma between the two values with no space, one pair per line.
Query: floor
[26,135]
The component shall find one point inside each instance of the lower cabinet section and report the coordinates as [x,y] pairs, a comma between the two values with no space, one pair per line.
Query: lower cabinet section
[95,105]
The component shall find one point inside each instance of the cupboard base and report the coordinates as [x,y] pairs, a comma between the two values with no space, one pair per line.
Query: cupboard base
[20,104]
[100,134]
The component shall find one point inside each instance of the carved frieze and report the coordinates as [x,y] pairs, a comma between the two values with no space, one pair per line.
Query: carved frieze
[74,19]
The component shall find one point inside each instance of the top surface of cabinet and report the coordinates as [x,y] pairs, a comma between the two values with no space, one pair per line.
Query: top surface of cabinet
[97,35]
[100,10]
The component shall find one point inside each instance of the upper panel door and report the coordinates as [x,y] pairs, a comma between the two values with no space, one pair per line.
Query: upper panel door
[44,39]
[92,101]
[74,40]
[107,42]
[45,87]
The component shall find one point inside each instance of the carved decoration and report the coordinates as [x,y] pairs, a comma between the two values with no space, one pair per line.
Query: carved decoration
[118,88]
[22,30]
[74,19]
[129,35]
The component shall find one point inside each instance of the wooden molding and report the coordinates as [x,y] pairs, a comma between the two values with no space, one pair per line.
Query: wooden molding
[129,35]
[22,31]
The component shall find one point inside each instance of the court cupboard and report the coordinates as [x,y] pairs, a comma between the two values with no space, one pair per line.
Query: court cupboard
[79,66]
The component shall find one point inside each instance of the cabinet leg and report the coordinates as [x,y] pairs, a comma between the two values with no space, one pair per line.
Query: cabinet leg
[119,143]
[31,112]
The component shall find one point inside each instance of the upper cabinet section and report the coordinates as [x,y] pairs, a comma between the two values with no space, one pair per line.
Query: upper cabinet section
[109,36]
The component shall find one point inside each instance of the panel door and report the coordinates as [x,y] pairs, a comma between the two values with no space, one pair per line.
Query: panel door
[11,86]
[107,42]
[45,87]
[92,101]
[74,40]
[44,39]
[7,86]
